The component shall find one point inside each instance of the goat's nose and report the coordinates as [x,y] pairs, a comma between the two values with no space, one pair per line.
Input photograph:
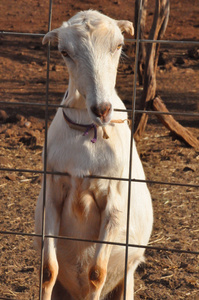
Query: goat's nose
[101,110]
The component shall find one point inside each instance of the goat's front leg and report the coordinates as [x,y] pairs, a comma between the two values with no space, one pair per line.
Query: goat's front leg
[53,205]
[110,222]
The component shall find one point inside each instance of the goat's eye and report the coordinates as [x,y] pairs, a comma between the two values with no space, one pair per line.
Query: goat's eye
[119,46]
[64,53]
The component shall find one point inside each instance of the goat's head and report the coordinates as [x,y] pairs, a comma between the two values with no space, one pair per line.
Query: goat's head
[90,44]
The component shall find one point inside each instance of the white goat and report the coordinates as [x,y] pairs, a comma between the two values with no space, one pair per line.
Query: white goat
[91,208]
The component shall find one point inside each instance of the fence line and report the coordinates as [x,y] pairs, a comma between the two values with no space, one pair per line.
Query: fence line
[126,40]
[103,177]
[45,154]
[47,105]
[172,250]
[148,112]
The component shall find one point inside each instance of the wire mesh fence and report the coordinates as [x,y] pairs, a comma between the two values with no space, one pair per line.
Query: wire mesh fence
[164,184]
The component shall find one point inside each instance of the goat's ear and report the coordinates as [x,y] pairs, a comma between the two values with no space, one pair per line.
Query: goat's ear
[51,36]
[126,26]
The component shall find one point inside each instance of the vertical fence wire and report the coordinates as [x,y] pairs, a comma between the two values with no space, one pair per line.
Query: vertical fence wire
[131,147]
[45,156]
[129,179]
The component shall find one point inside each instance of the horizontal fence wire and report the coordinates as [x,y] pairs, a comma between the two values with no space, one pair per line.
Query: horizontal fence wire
[22,33]
[4,232]
[126,40]
[45,172]
[103,177]
[148,112]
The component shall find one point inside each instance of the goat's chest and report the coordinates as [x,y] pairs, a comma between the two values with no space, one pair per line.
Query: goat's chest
[74,153]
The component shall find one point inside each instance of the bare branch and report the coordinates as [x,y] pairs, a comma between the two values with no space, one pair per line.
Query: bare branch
[157,30]
[170,123]
[142,48]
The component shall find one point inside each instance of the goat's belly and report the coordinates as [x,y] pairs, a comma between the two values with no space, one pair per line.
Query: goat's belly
[75,260]
[75,257]
[81,218]
[74,264]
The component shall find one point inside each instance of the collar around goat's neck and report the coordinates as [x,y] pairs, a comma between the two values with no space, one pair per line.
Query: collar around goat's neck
[87,127]
[81,127]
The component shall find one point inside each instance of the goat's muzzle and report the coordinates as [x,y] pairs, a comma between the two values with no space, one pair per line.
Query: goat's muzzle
[102,111]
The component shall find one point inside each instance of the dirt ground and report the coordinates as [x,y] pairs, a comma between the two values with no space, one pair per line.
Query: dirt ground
[166,274]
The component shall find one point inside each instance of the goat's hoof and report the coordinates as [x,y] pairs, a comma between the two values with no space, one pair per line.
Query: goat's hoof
[96,276]
[47,274]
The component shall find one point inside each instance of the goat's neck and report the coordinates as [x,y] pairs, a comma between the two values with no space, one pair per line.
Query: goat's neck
[73,98]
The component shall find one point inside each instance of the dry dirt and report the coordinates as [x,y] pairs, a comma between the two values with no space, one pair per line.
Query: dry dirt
[165,275]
